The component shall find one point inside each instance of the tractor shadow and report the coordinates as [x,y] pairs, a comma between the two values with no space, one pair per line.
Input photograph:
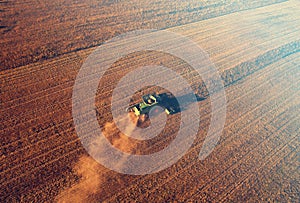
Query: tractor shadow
[170,101]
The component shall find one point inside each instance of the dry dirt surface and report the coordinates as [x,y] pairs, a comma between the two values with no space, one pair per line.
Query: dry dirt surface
[255,46]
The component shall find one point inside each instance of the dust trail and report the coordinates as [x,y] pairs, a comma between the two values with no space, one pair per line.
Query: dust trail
[90,181]
[118,139]
[89,170]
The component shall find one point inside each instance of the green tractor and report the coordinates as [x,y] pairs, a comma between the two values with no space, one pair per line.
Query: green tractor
[149,101]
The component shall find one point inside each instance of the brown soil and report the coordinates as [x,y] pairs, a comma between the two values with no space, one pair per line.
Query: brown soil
[256,52]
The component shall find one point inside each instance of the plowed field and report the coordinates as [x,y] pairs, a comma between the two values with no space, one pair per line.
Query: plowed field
[254,45]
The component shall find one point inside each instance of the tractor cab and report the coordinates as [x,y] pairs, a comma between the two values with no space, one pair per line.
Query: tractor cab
[149,101]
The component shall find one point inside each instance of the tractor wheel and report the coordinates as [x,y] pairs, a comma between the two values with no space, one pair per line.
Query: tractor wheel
[143,118]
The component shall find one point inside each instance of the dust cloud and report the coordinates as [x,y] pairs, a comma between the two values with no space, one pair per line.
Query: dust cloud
[90,181]
[91,173]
